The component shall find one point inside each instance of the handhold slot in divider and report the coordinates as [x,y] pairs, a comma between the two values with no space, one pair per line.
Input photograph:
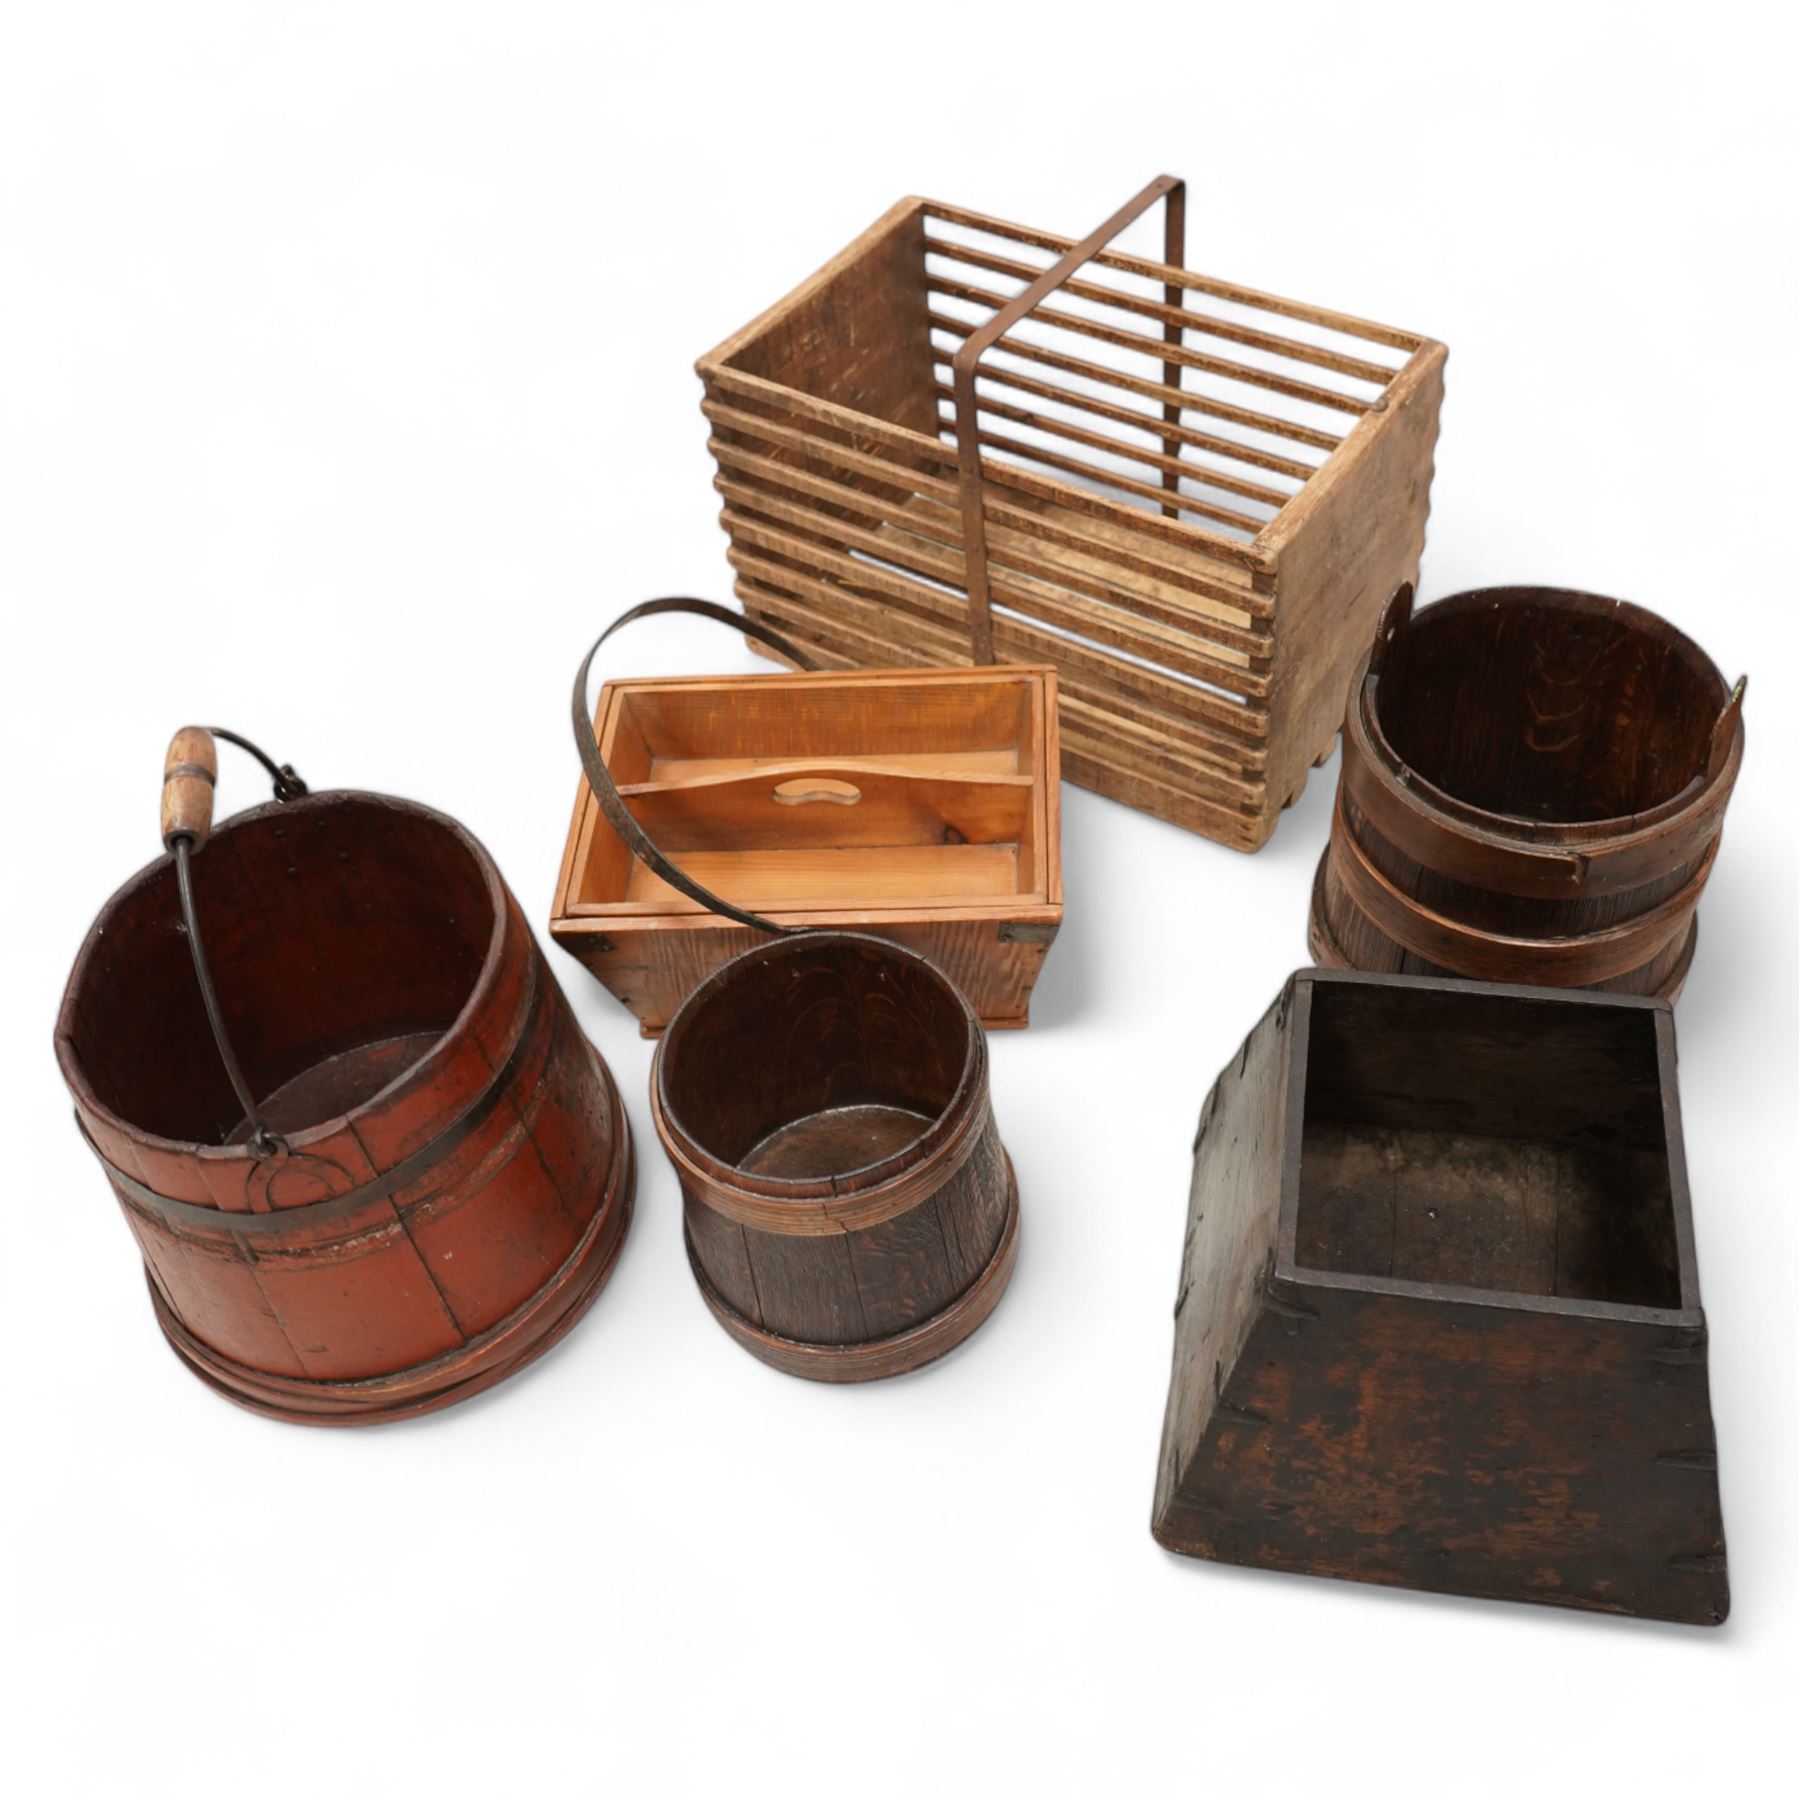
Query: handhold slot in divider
[764,808]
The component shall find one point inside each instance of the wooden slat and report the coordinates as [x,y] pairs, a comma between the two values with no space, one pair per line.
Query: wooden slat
[1082,555]
[1080,665]
[1251,420]
[1244,603]
[1125,484]
[1146,687]
[970,765]
[1155,348]
[1193,540]
[1143,422]
[1087,761]
[831,877]
[878,618]
[1079,575]
[1232,825]
[1149,747]
[1270,342]
[893,559]
[1138,644]
[1099,727]
[1169,465]
[1169,276]
[1174,647]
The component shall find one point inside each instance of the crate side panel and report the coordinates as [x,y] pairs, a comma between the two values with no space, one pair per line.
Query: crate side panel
[1355,535]
[1097,753]
[860,339]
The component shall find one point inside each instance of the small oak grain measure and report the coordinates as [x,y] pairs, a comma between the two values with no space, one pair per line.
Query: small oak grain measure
[850,1211]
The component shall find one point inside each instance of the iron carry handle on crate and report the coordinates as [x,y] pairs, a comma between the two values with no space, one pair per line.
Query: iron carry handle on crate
[966,366]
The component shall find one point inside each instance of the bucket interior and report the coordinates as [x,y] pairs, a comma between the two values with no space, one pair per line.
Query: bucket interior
[816,1056]
[1563,709]
[345,935]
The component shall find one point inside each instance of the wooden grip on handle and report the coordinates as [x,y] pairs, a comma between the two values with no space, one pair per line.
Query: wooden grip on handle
[189,771]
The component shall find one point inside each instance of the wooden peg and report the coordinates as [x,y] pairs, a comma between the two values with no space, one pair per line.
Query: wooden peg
[189,772]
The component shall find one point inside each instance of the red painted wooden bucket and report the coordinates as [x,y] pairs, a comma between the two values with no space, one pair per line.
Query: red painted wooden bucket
[408,1174]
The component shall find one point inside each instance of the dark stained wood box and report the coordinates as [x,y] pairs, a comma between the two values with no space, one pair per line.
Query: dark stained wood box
[1439,1320]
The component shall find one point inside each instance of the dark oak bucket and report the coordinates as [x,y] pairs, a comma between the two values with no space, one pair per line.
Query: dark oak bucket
[850,1210]
[1533,789]
[434,1177]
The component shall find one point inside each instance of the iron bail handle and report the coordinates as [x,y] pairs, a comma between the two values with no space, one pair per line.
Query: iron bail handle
[190,774]
[618,814]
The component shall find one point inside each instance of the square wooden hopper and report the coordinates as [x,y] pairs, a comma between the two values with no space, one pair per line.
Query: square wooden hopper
[1439,1322]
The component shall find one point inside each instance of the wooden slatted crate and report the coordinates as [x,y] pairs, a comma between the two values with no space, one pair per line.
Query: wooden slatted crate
[923,464]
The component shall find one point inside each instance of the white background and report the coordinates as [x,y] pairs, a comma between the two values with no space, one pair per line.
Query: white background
[347,392]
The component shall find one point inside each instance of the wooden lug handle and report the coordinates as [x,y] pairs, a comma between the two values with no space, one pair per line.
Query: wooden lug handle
[189,772]
[1725,729]
[1396,620]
